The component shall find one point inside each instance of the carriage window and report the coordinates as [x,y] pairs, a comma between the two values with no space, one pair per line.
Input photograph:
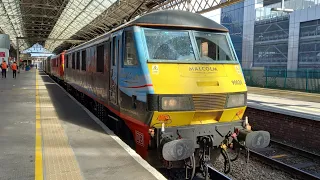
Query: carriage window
[114,51]
[83,61]
[108,52]
[100,59]
[213,47]
[73,60]
[130,54]
[78,60]
[67,62]
[169,45]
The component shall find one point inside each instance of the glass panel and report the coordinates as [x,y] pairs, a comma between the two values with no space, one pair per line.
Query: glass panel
[78,60]
[130,56]
[84,60]
[213,47]
[169,45]
[73,60]
[114,51]
[100,58]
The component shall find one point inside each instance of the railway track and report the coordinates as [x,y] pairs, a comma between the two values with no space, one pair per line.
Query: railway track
[179,174]
[300,163]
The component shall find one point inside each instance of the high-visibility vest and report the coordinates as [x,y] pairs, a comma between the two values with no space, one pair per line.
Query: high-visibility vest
[14,67]
[4,65]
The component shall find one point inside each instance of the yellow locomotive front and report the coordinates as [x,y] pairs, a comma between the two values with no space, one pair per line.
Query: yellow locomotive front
[197,75]
[199,94]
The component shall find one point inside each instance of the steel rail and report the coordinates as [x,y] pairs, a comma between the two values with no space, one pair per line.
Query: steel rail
[301,152]
[215,174]
[286,167]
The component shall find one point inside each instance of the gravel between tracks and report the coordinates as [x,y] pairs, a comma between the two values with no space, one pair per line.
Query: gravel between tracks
[254,170]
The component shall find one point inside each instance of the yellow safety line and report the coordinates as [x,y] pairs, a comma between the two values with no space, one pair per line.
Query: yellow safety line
[278,156]
[38,174]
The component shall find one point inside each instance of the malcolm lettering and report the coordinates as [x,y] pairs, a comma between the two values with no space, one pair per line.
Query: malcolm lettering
[202,69]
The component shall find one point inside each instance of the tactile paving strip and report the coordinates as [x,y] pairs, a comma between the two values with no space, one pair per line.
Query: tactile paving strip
[58,157]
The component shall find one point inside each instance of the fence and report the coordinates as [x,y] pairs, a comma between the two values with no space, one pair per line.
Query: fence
[302,80]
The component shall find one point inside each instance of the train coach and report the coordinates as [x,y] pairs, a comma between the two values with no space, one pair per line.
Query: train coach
[57,66]
[168,82]
[46,65]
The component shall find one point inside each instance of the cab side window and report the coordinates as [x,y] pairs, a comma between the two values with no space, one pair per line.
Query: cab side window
[130,58]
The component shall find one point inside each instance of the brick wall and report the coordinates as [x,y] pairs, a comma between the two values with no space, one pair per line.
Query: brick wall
[301,132]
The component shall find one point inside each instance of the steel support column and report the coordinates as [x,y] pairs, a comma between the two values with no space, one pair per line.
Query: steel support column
[18,55]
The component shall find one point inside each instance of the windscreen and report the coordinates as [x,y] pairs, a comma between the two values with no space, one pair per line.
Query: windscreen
[169,45]
[213,46]
[176,45]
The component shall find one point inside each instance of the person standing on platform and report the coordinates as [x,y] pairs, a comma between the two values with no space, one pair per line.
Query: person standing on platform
[4,67]
[14,68]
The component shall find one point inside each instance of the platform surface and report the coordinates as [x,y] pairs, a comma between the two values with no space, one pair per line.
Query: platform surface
[299,104]
[45,133]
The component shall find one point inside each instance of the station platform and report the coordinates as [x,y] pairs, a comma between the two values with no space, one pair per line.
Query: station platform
[292,103]
[46,134]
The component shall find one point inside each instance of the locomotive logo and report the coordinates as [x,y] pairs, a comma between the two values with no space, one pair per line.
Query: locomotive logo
[163,118]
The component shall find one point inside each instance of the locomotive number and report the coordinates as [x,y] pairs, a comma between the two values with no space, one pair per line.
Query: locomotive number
[139,138]
[236,82]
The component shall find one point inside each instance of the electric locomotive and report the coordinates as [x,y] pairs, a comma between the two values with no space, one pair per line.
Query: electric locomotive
[171,82]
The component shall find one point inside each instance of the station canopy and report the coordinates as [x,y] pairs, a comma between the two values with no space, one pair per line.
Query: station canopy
[60,24]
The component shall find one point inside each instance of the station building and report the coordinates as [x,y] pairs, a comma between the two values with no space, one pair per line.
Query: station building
[266,37]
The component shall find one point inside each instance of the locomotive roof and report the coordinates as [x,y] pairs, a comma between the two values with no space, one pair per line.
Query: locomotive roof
[163,18]
[178,18]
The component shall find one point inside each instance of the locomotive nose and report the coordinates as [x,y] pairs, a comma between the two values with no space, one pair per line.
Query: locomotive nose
[177,150]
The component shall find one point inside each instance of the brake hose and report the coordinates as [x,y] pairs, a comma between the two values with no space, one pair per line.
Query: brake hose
[227,162]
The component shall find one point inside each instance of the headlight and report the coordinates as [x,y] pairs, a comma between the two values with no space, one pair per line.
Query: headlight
[236,100]
[176,103]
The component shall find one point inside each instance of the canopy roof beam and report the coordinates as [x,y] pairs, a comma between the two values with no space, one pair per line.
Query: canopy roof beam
[52,39]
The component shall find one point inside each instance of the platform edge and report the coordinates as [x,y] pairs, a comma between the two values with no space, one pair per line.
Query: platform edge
[130,151]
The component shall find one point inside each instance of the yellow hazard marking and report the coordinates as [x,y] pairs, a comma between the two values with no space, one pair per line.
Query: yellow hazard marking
[38,149]
[278,156]
[56,159]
